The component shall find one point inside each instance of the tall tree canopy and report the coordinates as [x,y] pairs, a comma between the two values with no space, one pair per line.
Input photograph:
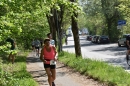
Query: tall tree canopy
[26,20]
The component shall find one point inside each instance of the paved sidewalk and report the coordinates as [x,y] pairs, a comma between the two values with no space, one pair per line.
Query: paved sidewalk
[65,75]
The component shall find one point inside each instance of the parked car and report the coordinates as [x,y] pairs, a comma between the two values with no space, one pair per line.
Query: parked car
[69,33]
[103,39]
[89,37]
[122,40]
[93,39]
[80,33]
[96,39]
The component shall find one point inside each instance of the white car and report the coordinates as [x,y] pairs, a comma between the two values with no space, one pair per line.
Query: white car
[122,41]
[80,33]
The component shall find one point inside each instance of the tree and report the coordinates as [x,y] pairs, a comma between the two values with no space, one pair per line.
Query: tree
[112,15]
[75,30]
[123,8]
[55,18]
[93,18]
[23,21]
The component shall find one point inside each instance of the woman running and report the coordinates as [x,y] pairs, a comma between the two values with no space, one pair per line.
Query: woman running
[49,57]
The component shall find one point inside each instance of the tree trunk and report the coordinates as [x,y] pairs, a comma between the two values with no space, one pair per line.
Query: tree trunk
[52,26]
[58,22]
[75,34]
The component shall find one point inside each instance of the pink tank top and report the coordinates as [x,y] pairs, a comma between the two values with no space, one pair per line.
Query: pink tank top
[49,55]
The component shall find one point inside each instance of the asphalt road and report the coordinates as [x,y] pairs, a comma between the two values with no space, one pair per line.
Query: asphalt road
[109,53]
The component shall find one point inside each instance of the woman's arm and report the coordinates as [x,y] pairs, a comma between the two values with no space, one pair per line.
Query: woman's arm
[42,56]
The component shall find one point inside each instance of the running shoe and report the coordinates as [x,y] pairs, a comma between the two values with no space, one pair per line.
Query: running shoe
[53,84]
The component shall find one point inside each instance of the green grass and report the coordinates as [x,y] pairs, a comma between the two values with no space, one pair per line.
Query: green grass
[15,74]
[103,72]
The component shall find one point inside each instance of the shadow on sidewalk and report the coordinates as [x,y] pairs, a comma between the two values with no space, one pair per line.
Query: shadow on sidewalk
[33,59]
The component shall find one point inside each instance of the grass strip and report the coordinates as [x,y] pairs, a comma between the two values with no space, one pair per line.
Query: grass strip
[15,74]
[98,70]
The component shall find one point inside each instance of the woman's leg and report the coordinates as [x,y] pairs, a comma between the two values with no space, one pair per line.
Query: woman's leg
[48,71]
[53,72]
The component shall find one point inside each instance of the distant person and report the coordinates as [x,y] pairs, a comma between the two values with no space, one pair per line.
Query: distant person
[37,47]
[128,46]
[41,41]
[33,45]
[12,54]
[52,42]
[66,38]
[48,56]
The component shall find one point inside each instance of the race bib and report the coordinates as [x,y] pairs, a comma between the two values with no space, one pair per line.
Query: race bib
[52,62]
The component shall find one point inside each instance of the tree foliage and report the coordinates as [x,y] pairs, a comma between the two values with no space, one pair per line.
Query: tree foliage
[22,20]
[102,16]
[123,7]
[26,20]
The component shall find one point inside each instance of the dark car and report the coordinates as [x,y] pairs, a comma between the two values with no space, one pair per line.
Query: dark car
[89,37]
[103,39]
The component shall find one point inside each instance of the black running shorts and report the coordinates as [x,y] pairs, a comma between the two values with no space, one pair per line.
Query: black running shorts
[49,66]
[37,48]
